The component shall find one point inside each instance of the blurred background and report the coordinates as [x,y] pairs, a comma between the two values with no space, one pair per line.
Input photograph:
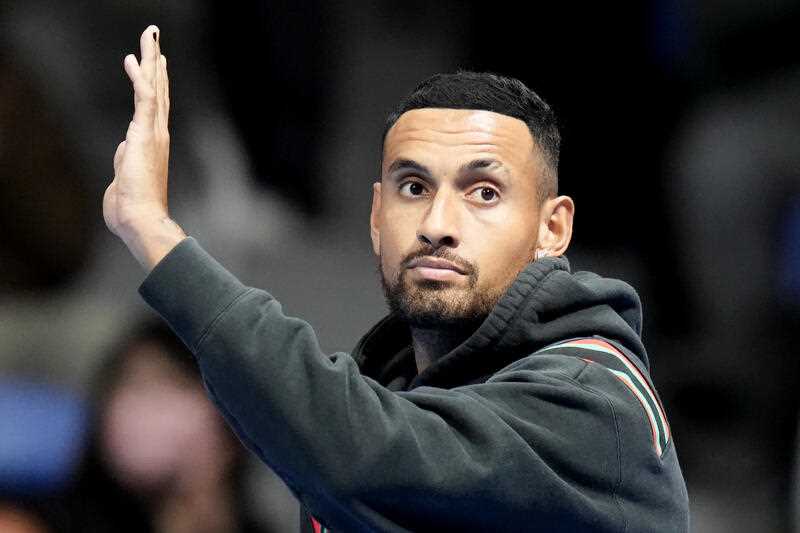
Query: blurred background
[680,123]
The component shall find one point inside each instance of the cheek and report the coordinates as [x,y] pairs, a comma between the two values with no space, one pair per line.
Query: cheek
[398,239]
[507,249]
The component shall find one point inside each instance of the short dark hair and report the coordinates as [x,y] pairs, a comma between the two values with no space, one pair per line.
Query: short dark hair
[491,92]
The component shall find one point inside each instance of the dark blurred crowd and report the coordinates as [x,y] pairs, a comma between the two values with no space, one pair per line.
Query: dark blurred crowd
[680,124]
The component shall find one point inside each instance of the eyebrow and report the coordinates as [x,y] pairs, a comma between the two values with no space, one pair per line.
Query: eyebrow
[410,164]
[478,164]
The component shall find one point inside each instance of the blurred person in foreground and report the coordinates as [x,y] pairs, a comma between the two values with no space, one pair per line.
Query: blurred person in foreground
[502,392]
[160,459]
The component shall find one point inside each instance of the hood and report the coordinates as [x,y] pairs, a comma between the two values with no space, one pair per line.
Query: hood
[545,304]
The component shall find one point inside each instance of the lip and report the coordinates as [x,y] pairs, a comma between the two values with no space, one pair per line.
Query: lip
[435,263]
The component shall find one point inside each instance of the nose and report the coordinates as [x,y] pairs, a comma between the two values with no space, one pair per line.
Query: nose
[440,226]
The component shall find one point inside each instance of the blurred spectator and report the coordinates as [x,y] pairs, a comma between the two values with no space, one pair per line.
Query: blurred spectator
[46,237]
[161,458]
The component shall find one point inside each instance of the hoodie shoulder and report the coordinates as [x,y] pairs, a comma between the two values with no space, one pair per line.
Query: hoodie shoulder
[604,414]
[612,370]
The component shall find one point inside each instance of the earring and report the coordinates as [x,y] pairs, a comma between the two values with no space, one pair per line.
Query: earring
[541,253]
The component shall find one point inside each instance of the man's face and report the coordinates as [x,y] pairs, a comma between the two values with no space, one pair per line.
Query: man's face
[455,217]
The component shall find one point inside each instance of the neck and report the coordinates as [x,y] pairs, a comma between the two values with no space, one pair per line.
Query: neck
[430,344]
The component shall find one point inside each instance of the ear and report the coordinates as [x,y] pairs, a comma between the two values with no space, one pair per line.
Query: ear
[555,226]
[374,218]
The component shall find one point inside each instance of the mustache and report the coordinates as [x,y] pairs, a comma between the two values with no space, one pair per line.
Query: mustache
[441,253]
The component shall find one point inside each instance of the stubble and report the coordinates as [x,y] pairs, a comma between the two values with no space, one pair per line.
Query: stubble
[436,304]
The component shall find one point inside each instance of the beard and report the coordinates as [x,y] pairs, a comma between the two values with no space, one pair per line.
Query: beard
[436,304]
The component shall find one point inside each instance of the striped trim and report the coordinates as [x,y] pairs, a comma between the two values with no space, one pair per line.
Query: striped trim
[318,528]
[607,355]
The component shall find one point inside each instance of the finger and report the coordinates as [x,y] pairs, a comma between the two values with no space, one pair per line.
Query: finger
[144,95]
[149,53]
[118,155]
[132,69]
[166,82]
[164,96]
[157,86]
[156,52]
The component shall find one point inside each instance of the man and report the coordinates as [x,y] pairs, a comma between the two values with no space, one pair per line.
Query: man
[503,392]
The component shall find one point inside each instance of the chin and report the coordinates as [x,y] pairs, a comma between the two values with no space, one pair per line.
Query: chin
[435,304]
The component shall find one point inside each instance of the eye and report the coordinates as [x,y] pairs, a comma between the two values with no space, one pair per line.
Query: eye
[485,195]
[412,188]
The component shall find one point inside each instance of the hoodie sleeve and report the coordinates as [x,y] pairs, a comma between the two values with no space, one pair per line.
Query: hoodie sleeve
[531,447]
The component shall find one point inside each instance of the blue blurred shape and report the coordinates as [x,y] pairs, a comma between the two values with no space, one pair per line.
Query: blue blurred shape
[790,251]
[42,431]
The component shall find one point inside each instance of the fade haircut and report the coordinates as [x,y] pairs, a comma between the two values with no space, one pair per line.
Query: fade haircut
[491,92]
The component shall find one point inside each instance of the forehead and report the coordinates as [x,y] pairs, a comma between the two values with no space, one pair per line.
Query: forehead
[436,132]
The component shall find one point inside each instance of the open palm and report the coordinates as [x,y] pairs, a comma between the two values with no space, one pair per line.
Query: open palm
[139,188]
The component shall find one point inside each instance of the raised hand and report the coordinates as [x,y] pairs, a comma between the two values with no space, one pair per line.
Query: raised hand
[135,203]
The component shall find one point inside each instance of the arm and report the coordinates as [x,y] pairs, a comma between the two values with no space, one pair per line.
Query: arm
[530,445]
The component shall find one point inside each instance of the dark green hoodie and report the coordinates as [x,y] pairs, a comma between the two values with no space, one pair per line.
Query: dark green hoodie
[544,419]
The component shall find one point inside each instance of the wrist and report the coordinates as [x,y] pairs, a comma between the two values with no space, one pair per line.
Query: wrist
[150,239]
